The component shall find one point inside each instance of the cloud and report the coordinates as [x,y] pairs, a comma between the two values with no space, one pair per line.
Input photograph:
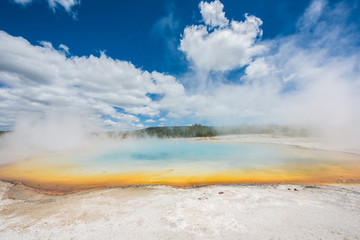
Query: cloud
[164,33]
[64,48]
[257,69]
[150,121]
[38,78]
[53,4]
[23,2]
[66,4]
[218,45]
[311,15]
[213,14]
[310,78]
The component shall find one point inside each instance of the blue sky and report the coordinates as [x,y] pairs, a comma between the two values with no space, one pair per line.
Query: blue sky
[172,62]
[130,30]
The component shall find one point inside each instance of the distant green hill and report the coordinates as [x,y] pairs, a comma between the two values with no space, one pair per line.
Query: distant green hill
[197,130]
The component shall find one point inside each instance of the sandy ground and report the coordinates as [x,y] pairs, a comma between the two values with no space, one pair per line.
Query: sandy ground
[161,212]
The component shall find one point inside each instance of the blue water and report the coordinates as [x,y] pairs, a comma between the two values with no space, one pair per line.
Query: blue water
[186,158]
[155,154]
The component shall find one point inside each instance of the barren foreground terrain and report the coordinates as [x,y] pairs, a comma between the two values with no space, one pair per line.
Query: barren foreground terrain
[161,212]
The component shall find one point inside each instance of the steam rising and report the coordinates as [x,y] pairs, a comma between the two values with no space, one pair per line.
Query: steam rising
[55,132]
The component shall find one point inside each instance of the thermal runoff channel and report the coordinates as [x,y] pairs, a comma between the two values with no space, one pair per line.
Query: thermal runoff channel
[181,163]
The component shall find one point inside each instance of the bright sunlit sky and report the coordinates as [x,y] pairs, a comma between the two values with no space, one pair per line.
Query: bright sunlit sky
[134,64]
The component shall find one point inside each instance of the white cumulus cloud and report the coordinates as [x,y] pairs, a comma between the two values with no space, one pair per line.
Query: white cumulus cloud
[38,78]
[213,14]
[150,121]
[218,45]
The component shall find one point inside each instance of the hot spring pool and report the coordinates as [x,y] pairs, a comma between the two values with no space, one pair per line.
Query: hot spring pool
[183,163]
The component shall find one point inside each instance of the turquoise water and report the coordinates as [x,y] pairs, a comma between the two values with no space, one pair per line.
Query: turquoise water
[184,163]
[157,154]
